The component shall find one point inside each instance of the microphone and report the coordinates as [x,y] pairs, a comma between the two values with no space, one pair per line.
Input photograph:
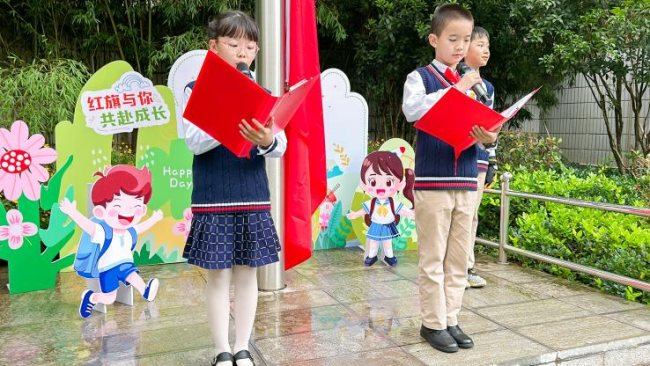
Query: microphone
[463,69]
[243,67]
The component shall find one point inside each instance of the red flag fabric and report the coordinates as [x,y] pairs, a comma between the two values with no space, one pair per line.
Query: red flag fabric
[305,176]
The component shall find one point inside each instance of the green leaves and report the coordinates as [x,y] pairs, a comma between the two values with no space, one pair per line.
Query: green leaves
[609,241]
[328,18]
[527,149]
[609,46]
[338,229]
[28,90]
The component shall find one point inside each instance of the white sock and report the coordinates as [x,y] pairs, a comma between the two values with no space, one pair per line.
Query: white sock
[218,290]
[387,247]
[373,248]
[245,279]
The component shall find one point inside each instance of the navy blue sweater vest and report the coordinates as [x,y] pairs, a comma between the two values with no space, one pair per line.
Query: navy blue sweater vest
[225,183]
[484,155]
[483,160]
[436,167]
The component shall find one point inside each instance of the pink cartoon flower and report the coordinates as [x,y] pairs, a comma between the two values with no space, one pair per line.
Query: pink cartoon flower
[21,159]
[16,229]
[183,227]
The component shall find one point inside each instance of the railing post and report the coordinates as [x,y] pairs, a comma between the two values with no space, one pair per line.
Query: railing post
[504,219]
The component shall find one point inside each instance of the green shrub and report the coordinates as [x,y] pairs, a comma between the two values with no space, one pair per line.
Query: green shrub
[518,148]
[608,241]
[639,168]
[122,154]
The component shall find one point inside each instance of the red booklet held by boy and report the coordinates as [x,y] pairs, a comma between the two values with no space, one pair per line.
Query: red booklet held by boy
[222,96]
[451,119]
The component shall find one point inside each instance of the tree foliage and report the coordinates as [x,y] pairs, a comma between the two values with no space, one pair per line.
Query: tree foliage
[607,43]
[42,92]
[376,42]
[49,48]
[388,39]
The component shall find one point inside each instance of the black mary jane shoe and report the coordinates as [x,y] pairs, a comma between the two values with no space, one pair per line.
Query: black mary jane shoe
[242,355]
[369,261]
[221,357]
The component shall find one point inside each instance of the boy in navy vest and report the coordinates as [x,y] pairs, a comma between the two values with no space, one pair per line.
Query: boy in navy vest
[477,57]
[445,188]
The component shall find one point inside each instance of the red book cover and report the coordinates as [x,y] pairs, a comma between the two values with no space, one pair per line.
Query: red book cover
[451,119]
[222,96]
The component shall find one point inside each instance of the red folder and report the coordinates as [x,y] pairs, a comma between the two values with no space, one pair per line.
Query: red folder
[222,96]
[451,119]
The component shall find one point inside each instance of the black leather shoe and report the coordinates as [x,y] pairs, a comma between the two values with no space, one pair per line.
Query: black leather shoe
[222,357]
[439,339]
[242,355]
[461,338]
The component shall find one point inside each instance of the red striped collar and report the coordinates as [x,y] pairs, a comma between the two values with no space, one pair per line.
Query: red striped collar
[440,76]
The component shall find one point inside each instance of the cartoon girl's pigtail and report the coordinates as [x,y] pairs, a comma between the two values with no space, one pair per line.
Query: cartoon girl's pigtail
[408,189]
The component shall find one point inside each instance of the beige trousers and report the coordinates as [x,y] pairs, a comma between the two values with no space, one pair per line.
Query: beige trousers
[444,225]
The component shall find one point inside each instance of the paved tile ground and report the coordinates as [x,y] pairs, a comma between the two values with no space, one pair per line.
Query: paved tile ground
[333,312]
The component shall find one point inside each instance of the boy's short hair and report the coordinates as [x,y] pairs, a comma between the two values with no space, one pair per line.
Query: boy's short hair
[480,32]
[121,179]
[233,24]
[446,13]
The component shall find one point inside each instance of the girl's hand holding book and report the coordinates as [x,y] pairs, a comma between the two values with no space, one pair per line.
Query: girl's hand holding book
[259,135]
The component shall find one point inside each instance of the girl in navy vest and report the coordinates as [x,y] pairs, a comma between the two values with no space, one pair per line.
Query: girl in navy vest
[232,232]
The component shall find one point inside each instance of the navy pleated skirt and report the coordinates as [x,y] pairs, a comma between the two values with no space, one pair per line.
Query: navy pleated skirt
[222,240]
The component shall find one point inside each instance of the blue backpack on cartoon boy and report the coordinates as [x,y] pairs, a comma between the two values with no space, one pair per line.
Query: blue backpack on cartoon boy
[89,253]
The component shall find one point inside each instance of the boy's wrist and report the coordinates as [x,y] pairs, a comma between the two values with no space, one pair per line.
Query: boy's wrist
[460,88]
[267,146]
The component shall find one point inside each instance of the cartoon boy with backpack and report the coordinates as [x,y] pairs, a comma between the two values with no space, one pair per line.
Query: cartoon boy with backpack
[120,197]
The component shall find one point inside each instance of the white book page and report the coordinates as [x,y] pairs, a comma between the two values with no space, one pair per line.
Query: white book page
[513,109]
[298,84]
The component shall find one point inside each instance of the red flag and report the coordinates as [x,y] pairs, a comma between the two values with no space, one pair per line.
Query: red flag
[305,176]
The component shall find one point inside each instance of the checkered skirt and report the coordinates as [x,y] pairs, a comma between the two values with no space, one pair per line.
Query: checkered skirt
[222,240]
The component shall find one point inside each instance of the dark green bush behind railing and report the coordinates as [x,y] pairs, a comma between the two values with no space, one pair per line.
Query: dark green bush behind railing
[613,242]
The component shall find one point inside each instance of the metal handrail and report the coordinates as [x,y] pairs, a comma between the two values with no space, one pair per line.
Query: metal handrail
[504,225]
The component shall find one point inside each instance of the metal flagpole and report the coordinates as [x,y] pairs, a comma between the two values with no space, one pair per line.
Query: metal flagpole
[287,42]
[269,74]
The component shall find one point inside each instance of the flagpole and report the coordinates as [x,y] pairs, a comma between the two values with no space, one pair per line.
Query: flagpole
[287,42]
[269,74]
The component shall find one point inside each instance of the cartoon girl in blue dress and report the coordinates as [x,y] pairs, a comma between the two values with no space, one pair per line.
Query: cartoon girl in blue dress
[383,177]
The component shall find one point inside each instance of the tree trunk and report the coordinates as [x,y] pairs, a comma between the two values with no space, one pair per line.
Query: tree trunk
[115,32]
[600,90]
[614,142]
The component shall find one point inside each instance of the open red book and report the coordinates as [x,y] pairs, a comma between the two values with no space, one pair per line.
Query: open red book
[451,119]
[222,96]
